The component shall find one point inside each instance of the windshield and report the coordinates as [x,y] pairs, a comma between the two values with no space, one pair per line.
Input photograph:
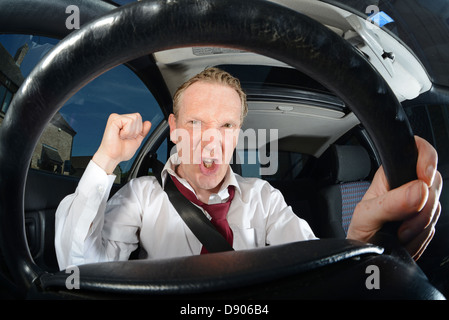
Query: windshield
[423,25]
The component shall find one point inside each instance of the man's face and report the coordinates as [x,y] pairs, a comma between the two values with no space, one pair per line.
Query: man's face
[206,133]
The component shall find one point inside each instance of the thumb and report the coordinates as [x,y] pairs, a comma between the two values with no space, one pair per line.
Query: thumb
[146,126]
[401,203]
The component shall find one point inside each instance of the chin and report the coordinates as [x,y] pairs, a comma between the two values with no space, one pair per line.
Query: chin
[211,182]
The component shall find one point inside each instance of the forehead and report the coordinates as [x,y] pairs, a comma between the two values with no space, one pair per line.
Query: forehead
[210,98]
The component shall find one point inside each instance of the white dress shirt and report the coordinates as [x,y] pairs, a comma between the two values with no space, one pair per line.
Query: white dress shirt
[91,229]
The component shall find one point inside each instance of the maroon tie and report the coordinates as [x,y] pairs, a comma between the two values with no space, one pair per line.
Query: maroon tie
[217,211]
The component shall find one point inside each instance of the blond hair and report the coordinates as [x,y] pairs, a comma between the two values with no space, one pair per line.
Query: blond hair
[214,75]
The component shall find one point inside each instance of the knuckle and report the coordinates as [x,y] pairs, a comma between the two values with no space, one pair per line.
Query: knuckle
[439,179]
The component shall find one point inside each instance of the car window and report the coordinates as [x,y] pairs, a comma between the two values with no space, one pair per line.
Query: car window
[431,122]
[75,132]
[284,165]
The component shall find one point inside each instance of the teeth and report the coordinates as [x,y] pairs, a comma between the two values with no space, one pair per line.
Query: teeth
[208,163]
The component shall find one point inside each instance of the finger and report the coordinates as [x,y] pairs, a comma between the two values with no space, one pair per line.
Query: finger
[400,203]
[113,124]
[396,205]
[131,126]
[427,161]
[145,128]
[413,226]
[417,250]
[418,245]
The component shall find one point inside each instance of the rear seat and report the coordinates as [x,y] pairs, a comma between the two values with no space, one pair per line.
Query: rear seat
[342,188]
[301,195]
[327,201]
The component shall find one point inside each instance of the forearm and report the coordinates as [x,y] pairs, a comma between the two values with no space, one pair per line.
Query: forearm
[105,162]
[80,216]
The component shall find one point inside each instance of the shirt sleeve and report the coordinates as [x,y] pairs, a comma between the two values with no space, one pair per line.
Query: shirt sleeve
[80,218]
[283,225]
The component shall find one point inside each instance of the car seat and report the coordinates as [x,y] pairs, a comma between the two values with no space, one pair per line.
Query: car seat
[343,172]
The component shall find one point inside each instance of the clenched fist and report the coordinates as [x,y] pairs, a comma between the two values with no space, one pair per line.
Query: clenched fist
[121,139]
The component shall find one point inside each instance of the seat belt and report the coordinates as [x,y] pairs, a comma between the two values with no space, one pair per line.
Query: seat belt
[195,219]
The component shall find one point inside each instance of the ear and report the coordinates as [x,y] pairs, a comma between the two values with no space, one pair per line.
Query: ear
[172,124]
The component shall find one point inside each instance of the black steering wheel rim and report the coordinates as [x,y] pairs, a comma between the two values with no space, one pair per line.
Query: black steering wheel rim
[149,26]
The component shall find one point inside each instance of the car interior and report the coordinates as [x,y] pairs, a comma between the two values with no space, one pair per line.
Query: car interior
[326,157]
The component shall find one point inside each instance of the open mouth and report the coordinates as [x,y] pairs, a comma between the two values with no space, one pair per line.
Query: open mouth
[209,166]
[208,163]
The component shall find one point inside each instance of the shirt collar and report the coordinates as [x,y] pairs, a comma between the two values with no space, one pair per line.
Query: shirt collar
[223,194]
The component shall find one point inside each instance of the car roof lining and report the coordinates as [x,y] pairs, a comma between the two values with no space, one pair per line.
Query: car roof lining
[178,65]
[314,129]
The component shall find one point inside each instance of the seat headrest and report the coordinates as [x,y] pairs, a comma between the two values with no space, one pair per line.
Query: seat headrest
[343,163]
[349,163]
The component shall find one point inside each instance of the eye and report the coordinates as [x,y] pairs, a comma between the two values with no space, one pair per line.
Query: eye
[195,122]
[228,126]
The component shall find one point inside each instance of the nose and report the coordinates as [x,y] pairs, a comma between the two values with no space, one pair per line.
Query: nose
[211,143]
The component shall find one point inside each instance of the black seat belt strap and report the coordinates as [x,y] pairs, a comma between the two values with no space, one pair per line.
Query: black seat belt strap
[195,219]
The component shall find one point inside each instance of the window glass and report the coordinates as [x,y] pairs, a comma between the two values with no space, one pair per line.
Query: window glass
[431,122]
[5,98]
[6,101]
[283,165]
[3,91]
[75,132]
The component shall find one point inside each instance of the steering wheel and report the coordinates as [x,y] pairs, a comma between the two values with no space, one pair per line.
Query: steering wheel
[262,27]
